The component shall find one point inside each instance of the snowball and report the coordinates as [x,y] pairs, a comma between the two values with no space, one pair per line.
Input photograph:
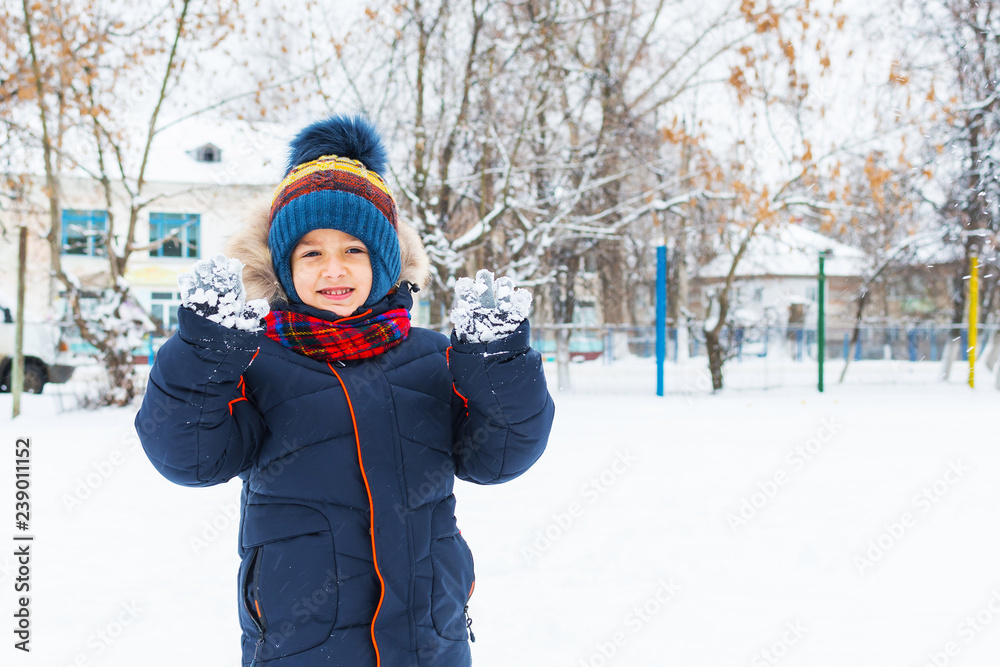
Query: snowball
[214,289]
[485,310]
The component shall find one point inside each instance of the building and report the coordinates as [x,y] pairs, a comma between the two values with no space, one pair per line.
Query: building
[776,281]
[202,180]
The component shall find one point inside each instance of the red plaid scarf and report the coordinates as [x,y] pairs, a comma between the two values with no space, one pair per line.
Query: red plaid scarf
[358,337]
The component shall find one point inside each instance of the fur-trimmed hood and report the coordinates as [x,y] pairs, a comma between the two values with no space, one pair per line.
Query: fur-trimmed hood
[249,245]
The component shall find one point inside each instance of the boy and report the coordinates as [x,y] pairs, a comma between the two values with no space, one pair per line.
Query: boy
[346,426]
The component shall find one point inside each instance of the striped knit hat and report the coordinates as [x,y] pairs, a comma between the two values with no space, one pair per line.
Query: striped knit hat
[335,180]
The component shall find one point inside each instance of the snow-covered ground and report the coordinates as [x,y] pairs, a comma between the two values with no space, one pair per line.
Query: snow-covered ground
[756,527]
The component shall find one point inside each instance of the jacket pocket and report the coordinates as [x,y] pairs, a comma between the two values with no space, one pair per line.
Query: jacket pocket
[454,579]
[288,580]
[250,589]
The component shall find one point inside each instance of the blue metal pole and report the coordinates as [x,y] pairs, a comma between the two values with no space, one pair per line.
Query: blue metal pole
[661,315]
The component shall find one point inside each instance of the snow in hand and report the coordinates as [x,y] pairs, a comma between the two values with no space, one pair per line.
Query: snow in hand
[214,289]
[485,310]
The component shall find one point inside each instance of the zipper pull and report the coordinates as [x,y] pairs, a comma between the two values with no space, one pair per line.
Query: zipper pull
[260,641]
[340,363]
[468,625]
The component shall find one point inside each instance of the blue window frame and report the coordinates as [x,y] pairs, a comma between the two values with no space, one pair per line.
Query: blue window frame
[181,231]
[84,233]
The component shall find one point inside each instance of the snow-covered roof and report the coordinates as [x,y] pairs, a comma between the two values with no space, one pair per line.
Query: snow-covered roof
[789,250]
[251,155]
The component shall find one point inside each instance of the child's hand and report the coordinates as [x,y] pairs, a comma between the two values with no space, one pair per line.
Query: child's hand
[485,310]
[214,289]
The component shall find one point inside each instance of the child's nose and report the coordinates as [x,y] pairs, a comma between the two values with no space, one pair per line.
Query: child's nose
[334,268]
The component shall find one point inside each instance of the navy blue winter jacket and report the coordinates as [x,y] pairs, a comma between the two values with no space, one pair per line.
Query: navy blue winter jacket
[351,555]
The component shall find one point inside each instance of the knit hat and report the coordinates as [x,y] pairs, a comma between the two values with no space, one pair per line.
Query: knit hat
[335,180]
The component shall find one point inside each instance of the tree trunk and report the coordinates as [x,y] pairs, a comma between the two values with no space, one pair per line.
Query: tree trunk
[857,331]
[948,358]
[17,371]
[992,351]
[958,314]
[716,352]
[612,283]
[716,358]
[435,307]
[677,281]
[562,358]
[563,307]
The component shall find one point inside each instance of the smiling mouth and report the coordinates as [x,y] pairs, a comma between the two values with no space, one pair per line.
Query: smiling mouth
[337,293]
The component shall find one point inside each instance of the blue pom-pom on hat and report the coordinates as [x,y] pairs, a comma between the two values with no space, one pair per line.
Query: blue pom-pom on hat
[334,181]
[352,137]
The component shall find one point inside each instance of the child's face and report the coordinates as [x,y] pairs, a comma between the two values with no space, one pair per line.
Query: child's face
[331,271]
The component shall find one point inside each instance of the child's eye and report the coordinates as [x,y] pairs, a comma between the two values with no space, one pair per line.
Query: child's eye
[311,253]
[355,250]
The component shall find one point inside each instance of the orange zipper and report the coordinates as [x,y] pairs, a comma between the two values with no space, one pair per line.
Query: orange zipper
[371,514]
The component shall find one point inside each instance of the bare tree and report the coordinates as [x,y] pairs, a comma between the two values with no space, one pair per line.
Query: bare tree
[948,68]
[92,84]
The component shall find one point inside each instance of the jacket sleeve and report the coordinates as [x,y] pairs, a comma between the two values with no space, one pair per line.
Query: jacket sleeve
[195,424]
[503,411]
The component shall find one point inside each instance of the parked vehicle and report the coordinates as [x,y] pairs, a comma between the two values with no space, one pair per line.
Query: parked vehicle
[46,357]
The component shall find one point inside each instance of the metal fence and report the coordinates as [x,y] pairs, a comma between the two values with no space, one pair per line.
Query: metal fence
[908,343]
[611,343]
[620,359]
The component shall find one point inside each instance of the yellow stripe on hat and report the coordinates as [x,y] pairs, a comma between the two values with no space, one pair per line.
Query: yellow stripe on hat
[328,163]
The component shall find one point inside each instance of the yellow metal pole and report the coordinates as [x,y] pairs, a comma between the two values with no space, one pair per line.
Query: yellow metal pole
[973,316]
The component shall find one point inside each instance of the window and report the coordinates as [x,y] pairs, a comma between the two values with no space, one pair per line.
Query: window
[177,234]
[208,153]
[164,308]
[84,232]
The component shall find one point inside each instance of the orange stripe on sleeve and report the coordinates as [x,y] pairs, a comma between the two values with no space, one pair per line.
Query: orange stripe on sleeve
[242,386]
[447,358]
